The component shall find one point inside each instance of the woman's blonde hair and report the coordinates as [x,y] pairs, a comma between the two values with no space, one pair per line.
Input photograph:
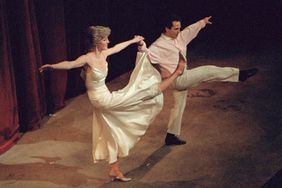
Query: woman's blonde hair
[95,34]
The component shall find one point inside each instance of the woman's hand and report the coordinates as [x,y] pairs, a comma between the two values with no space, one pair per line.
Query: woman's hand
[45,67]
[138,39]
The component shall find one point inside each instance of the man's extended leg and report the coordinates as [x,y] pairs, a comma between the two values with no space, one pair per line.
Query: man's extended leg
[191,78]
[210,73]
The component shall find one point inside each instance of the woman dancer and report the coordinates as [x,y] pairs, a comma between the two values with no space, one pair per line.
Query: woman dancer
[121,117]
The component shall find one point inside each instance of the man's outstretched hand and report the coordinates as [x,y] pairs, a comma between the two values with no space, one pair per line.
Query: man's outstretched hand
[207,20]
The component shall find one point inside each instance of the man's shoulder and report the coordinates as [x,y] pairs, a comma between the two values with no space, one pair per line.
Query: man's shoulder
[158,40]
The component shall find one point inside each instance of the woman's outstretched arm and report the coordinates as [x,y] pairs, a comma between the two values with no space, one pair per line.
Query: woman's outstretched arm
[118,47]
[79,62]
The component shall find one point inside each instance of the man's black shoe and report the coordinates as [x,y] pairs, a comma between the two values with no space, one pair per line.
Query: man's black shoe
[245,74]
[171,139]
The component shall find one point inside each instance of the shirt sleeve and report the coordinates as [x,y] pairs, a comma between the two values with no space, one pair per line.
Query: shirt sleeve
[152,52]
[190,32]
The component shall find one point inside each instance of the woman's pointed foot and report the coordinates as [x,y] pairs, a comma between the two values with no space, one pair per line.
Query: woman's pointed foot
[119,177]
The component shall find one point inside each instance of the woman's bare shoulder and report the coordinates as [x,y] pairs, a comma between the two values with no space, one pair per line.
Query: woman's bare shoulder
[85,57]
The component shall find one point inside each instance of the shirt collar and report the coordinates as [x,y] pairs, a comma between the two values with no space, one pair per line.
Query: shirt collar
[166,37]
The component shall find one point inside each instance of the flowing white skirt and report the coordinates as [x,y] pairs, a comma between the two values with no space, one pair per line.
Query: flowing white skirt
[121,117]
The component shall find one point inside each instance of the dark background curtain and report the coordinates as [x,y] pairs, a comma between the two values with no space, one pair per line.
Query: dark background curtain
[36,32]
[8,110]
[26,54]
[52,32]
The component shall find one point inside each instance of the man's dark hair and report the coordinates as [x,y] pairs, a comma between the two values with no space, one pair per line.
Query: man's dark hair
[167,21]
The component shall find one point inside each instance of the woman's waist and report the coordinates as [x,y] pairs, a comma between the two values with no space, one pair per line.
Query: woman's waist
[99,98]
[98,91]
[95,86]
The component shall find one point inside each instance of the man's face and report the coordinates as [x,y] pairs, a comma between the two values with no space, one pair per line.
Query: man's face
[174,30]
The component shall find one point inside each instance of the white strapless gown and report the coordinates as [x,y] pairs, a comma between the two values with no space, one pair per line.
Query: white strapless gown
[121,117]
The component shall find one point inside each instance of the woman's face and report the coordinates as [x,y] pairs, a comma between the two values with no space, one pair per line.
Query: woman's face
[103,44]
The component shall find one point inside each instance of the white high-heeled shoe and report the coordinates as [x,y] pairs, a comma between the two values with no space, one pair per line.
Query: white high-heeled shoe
[119,177]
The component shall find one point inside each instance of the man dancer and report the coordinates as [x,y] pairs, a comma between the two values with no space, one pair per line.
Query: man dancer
[167,51]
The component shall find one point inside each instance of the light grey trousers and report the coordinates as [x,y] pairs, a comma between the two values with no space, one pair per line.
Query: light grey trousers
[191,78]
